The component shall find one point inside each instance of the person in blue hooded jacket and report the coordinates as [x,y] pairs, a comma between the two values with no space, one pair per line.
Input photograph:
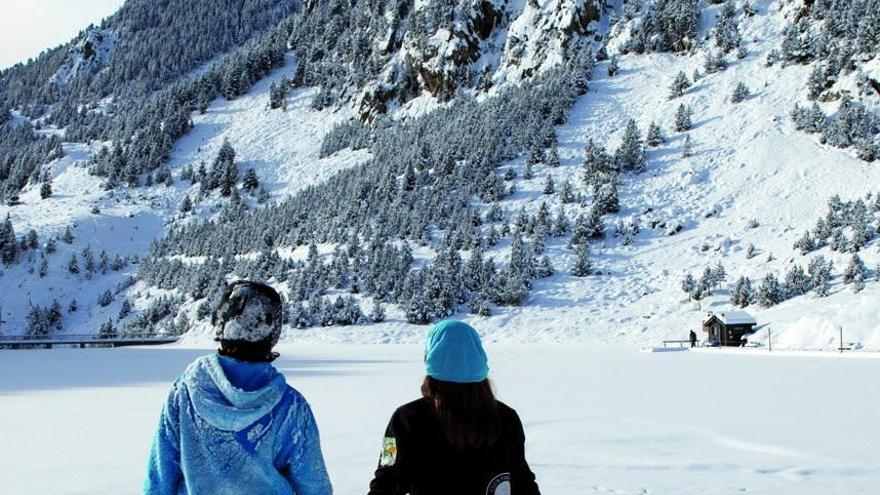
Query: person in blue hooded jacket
[457,439]
[231,424]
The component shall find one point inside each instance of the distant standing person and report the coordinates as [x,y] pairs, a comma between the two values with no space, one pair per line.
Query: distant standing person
[231,424]
[693,337]
[457,439]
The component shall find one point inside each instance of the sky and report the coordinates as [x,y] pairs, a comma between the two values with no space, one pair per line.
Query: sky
[27,27]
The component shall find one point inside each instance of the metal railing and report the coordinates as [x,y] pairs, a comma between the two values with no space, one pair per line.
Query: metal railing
[83,340]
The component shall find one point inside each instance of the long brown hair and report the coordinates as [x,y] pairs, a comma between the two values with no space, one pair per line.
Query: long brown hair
[468,411]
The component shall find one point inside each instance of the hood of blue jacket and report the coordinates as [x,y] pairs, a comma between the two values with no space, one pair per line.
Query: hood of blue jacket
[225,406]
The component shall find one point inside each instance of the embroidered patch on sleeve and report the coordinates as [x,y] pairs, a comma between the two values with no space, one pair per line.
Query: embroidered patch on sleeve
[389,451]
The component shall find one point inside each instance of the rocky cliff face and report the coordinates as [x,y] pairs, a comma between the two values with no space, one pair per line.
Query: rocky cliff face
[440,47]
[89,53]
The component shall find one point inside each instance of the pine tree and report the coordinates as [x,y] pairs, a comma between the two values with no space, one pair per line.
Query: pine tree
[72,307]
[223,171]
[536,153]
[679,85]
[417,311]
[250,183]
[817,82]
[742,294]
[631,153]
[73,264]
[32,240]
[105,298]
[796,281]
[839,242]
[770,291]
[124,310]
[805,244]
[714,62]
[516,280]
[528,174]
[228,180]
[8,243]
[606,198]
[553,157]
[186,205]
[103,262]
[37,323]
[596,163]
[855,273]
[549,186]
[683,118]
[740,93]
[655,135]
[88,260]
[707,281]
[107,330]
[45,189]
[719,274]
[727,36]
[582,265]
[278,94]
[819,271]
[594,227]
[68,236]
[688,284]
[797,43]
[54,315]
[613,66]
[544,267]
[566,194]
[560,224]
[478,304]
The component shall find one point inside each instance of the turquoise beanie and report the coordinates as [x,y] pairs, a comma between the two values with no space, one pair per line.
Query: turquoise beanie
[454,353]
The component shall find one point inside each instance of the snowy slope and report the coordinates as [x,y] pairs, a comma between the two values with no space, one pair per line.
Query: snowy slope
[130,219]
[748,163]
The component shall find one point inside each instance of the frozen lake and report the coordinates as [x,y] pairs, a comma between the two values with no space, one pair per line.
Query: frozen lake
[597,421]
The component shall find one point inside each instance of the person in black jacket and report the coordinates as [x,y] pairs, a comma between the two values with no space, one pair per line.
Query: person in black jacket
[457,439]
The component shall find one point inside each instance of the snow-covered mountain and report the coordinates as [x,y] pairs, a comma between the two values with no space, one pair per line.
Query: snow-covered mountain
[487,159]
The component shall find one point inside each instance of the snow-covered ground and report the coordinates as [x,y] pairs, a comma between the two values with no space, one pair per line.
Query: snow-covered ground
[597,420]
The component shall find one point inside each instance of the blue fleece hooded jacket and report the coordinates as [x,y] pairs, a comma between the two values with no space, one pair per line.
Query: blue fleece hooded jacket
[231,427]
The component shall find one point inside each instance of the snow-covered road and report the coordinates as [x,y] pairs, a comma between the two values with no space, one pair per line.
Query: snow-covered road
[597,420]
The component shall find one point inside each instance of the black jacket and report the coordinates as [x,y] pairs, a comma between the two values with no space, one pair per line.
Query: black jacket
[418,459]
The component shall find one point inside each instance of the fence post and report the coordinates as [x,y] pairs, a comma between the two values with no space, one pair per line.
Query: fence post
[841,339]
[769,341]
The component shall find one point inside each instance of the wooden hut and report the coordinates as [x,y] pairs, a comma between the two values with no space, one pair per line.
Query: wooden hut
[728,328]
